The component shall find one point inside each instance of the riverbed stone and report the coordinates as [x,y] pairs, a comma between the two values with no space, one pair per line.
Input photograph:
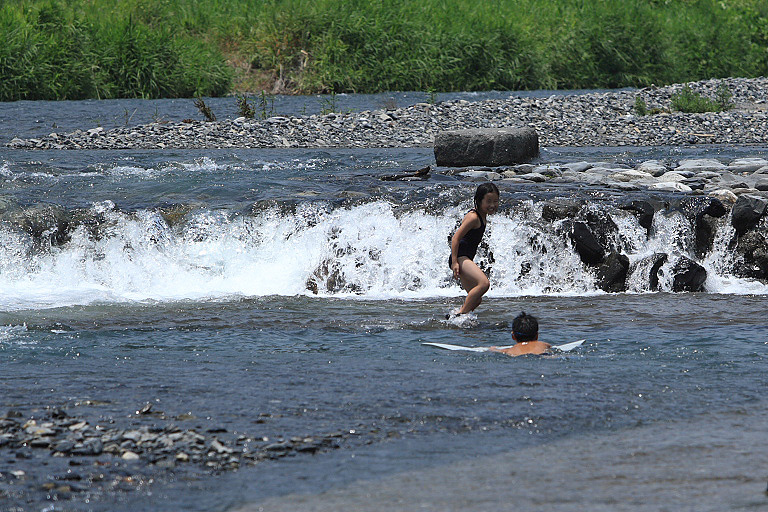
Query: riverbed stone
[747,164]
[534,177]
[578,166]
[723,194]
[700,164]
[486,146]
[632,175]
[481,175]
[592,119]
[652,167]
[747,211]
[671,186]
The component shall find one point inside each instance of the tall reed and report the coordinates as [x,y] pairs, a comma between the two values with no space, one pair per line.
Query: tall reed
[56,49]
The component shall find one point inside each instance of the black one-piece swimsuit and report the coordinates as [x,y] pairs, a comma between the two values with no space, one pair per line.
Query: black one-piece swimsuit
[469,242]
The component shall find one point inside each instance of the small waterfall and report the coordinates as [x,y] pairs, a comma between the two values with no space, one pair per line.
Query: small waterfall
[373,249]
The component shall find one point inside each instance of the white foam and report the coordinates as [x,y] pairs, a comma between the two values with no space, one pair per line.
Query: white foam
[11,333]
[370,251]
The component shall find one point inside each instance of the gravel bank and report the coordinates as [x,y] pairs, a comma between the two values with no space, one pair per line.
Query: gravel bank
[597,119]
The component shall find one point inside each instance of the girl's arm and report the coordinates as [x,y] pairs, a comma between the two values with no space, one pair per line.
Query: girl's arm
[470,222]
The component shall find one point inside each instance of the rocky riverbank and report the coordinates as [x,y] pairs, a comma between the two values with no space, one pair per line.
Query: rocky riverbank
[70,457]
[596,119]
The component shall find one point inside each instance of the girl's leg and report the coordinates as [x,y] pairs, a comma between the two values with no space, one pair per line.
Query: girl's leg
[474,281]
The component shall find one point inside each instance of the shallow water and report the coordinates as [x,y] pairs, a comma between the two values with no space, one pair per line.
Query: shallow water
[279,293]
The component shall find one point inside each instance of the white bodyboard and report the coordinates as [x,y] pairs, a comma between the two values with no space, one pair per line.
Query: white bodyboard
[565,347]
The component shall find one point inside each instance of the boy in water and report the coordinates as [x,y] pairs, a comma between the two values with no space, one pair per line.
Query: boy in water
[525,331]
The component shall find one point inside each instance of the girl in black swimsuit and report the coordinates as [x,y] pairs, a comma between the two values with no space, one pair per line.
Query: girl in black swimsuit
[464,247]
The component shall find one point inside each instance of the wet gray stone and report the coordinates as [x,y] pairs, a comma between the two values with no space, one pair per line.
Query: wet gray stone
[486,146]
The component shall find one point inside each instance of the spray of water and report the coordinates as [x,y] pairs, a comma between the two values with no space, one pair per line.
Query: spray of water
[372,250]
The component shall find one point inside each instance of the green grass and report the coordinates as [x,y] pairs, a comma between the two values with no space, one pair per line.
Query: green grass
[689,101]
[67,49]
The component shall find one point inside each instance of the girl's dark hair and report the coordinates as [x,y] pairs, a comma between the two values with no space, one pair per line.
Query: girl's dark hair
[525,327]
[483,189]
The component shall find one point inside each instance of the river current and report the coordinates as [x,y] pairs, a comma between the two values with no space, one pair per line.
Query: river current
[282,292]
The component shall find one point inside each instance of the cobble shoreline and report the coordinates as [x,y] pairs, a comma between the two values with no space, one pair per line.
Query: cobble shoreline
[594,119]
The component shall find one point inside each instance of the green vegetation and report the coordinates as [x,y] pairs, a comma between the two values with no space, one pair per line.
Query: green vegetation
[205,109]
[69,49]
[641,107]
[692,102]
[689,101]
[87,49]
[244,108]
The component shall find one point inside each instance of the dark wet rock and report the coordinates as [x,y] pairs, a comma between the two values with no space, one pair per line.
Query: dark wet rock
[747,211]
[657,260]
[761,184]
[559,209]
[485,146]
[705,228]
[688,276]
[695,183]
[603,227]
[647,269]
[612,272]
[421,174]
[753,248]
[44,223]
[701,211]
[714,208]
[58,413]
[586,244]
[644,211]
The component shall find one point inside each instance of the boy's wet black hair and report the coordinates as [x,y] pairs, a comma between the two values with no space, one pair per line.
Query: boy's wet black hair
[485,188]
[525,327]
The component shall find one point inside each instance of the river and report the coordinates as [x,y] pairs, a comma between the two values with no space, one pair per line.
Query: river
[278,293]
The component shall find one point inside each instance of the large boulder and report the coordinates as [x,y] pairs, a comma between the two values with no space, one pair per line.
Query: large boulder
[688,276]
[486,146]
[747,212]
[753,248]
[612,273]
[586,244]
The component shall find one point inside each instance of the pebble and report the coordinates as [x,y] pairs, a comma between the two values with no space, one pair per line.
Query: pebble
[593,119]
[724,180]
[158,447]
